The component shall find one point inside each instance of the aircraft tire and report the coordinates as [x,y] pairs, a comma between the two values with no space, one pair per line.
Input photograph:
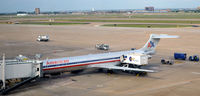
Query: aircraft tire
[77,71]
[110,71]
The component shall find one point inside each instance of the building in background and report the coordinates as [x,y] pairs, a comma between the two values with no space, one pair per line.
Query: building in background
[21,13]
[149,8]
[198,8]
[37,11]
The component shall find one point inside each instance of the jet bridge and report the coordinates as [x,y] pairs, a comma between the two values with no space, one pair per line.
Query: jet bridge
[15,69]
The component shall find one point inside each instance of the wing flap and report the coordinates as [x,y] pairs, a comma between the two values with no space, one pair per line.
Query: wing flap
[122,68]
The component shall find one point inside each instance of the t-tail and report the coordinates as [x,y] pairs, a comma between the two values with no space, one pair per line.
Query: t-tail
[149,47]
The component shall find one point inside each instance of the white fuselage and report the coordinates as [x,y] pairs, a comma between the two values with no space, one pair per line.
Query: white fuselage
[82,62]
[103,60]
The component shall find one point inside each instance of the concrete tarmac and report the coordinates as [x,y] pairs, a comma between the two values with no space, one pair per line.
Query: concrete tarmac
[180,79]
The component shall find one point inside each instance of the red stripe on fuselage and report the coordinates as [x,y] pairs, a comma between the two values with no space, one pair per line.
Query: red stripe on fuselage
[80,65]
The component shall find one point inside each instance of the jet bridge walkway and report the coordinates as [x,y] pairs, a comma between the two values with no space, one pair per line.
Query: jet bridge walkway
[15,69]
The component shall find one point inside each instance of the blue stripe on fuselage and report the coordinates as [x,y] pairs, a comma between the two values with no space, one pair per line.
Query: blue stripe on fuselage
[81,62]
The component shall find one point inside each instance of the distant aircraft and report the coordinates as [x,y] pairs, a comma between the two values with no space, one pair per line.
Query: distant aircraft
[110,61]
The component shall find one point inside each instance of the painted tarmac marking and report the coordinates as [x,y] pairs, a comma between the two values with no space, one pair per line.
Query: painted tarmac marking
[198,73]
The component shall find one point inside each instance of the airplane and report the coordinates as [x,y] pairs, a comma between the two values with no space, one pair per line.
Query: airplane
[109,61]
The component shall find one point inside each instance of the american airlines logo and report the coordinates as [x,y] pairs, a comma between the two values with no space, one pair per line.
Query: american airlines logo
[57,62]
[150,44]
[131,58]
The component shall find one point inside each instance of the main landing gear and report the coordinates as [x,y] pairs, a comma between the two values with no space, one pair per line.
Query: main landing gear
[136,73]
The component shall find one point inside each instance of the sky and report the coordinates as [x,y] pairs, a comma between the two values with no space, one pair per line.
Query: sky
[7,6]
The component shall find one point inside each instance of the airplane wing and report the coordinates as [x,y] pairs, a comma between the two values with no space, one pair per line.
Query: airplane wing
[120,68]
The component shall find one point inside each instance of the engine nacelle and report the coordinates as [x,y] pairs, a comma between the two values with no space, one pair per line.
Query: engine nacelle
[135,59]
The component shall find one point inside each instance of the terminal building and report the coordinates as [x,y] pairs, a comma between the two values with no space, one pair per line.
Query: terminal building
[21,13]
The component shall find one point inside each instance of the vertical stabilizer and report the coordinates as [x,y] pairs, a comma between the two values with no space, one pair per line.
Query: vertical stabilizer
[153,42]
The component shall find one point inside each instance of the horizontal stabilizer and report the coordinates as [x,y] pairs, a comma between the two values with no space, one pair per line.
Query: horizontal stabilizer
[164,36]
